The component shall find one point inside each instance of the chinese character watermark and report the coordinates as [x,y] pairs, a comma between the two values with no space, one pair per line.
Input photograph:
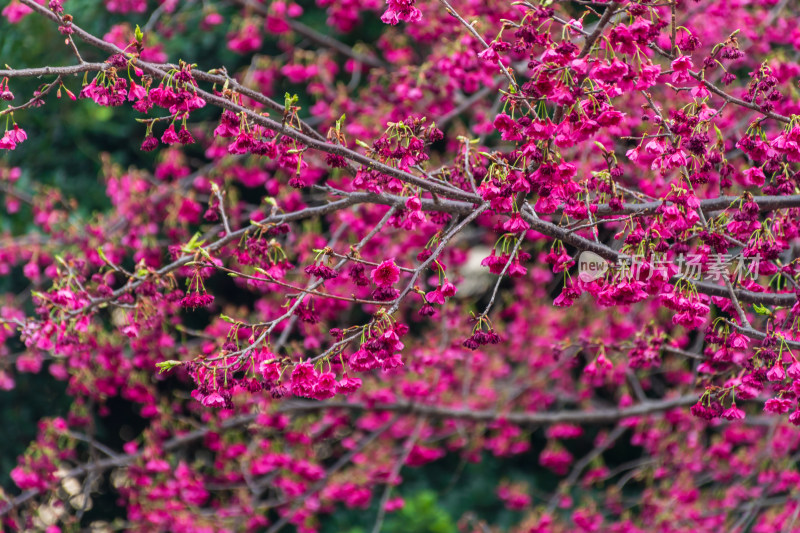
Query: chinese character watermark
[691,267]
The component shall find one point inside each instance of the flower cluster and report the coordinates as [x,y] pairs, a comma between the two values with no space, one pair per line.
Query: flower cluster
[11,138]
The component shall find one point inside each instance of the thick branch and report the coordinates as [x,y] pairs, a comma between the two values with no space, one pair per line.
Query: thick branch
[598,416]
[55,71]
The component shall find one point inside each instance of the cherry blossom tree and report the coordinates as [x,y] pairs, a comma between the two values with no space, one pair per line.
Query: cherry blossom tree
[424,229]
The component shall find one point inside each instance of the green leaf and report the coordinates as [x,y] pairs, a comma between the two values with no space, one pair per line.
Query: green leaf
[166,366]
[138,34]
[195,243]
[339,123]
[720,139]
[761,310]
[289,100]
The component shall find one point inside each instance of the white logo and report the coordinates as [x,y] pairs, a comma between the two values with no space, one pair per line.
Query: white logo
[591,267]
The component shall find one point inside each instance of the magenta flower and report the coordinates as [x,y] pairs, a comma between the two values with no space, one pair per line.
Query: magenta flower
[435,297]
[515,224]
[386,274]
[734,413]
[271,372]
[214,400]
[24,479]
[325,386]
[17,134]
[185,137]
[149,144]
[15,11]
[163,97]
[448,289]
[776,373]
[755,176]
[304,379]
[136,92]
[131,331]
[778,405]
[681,68]
[169,136]
[401,10]
[348,385]
[195,300]
[6,142]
